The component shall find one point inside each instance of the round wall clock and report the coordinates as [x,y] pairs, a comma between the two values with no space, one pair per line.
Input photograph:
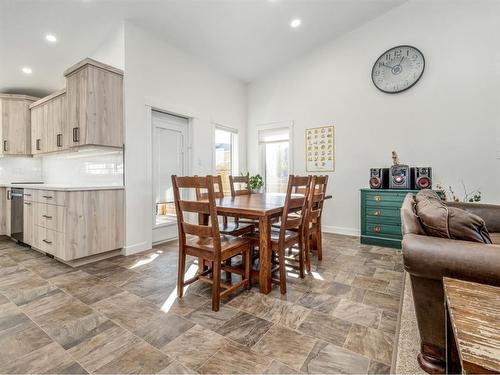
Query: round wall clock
[398,69]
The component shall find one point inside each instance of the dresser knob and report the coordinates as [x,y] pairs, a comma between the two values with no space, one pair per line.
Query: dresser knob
[377,198]
[376,229]
[376,213]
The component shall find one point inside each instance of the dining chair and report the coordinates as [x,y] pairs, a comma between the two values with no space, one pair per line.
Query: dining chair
[291,229]
[205,241]
[240,180]
[312,226]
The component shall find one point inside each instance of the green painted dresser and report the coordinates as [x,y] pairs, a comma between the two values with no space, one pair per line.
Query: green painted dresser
[380,216]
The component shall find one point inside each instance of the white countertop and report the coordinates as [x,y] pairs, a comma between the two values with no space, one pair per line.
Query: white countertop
[62,187]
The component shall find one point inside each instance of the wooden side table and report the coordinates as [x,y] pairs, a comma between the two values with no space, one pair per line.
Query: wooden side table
[472,327]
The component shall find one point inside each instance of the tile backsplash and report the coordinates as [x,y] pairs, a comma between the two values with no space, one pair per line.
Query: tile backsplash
[20,169]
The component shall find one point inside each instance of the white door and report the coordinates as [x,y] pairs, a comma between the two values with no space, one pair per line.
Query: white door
[169,158]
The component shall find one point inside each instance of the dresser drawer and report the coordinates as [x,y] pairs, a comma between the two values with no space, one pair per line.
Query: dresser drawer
[50,241]
[384,200]
[383,213]
[379,229]
[50,196]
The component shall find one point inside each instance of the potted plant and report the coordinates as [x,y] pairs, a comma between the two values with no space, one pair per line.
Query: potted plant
[256,183]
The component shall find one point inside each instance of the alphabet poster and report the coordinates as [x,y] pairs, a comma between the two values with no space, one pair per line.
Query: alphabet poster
[320,149]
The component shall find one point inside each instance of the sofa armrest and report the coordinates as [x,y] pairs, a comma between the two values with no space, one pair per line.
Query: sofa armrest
[435,258]
[488,212]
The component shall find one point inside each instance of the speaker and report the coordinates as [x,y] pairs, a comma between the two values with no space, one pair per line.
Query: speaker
[421,178]
[399,177]
[379,178]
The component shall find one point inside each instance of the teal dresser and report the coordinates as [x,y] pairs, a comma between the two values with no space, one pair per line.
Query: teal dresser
[380,216]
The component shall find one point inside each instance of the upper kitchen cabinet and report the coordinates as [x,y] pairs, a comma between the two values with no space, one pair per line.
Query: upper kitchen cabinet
[48,124]
[94,94]
[15,124]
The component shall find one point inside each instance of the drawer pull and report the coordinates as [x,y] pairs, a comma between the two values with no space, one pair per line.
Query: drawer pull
[376,213]
[377,198]
[49,242]
[76,134]
[28,203]
[47,217]
[376,229]
[47,197]
[27,194]
[38,148]
[59,140]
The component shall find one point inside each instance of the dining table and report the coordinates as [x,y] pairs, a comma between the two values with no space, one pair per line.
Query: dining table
[261,207]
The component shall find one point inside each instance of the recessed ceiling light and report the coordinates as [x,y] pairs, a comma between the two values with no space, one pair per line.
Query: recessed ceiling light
[295,23]
[27,70]
[51,38]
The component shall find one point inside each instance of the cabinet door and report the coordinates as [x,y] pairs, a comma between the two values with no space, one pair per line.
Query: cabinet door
[38,121]
[28,223]
[76,92]
[15,127]
[56,113]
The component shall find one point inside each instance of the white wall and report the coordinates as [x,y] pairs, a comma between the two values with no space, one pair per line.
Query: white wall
[447,121]
[161,76]
[112,49]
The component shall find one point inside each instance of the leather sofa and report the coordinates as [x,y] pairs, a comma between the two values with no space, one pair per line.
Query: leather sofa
[429,259]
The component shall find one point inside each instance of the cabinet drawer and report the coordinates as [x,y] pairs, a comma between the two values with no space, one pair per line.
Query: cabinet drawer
[52,217]
[382,212]
[50,196]
[51,242]
[29,195]
[379,229]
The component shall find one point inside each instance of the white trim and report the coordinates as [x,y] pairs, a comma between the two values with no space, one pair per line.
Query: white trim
[136,248]
[170,239]
[341,230]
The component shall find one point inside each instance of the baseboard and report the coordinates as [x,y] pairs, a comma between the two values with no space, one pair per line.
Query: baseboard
[341,230]
[136,248]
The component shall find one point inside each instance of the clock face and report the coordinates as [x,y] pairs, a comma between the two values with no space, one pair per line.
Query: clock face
[398,69]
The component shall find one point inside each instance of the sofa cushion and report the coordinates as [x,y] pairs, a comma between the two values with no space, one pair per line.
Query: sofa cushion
[409,219]
[495,238]
[439,220]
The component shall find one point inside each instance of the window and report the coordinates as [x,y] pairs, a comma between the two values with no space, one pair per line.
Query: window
[226,154]
[274,146]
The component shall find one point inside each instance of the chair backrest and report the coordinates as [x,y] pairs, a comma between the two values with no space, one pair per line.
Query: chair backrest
[295,203]
[240,180]
[317,193]
[202,194]
[196,207]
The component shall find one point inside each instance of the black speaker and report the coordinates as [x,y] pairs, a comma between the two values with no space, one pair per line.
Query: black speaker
[421,178]
[399,177]
[379,178]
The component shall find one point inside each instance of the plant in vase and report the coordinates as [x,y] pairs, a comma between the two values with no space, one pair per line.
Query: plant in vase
[256,183]
[449,194]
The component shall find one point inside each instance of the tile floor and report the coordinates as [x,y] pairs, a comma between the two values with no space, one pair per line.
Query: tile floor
[122,316]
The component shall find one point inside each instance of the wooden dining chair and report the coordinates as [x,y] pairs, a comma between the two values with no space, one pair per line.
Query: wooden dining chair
[312,227]
[240,180]
[291,229]
[206,242]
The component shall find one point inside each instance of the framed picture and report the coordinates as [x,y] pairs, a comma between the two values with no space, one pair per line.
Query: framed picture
[320,149]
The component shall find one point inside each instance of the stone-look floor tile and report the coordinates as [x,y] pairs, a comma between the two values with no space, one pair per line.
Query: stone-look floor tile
[208,318]
[140,358]
[382,300]
[276,367]
[195,346]
[370,283]
[159,332]
[47,303]
[291,347]
[378,368]
[325,327]
[359,313]
[143,285]
[26,290]
[387,275]
[245,329]
[292,294]
[110,272]
[233,360]
[184,305]
[395,288]
[102,346]
[87,288]
[324,303]
[334,359]
[378,263]
[49,359]
[16,276]
[176,367]
[71,323]
[128,310]
[371,343]
[388,322]
[47,270]
[345,277]
[21,338]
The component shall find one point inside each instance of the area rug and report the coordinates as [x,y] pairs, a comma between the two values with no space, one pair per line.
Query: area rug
[408,338]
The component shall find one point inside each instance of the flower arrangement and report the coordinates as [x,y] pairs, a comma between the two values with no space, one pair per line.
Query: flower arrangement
[449,194]
[256,182]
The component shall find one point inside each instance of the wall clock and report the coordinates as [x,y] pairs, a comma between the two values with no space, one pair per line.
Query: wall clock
[398,69]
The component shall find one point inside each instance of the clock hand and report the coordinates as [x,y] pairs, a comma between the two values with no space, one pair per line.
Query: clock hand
[387,66]
[401,60]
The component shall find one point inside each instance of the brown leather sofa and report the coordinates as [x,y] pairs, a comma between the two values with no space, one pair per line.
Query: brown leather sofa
[429,259]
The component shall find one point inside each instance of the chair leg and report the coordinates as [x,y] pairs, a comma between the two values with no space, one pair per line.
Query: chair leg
[282,269]
[307,251]
[216,285]
[301,257]
[319,242]
[247,257]
[180,273]
[227,262]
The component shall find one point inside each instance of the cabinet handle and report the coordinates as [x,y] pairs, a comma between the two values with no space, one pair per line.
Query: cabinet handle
[59,140]
[377,198]
[376,229]
[47,196]
[28,203]
[38,144]
[5,145]
[376,213]
[9,195]
[27,194]
[49,242]
[47,217]
[76,134]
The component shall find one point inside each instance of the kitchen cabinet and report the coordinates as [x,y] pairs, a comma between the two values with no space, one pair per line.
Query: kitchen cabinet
[48,124]
[29,219]
[77,227]
[94,93]
[15,124]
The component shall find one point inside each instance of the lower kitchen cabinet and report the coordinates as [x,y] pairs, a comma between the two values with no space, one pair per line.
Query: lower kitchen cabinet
[75,226]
